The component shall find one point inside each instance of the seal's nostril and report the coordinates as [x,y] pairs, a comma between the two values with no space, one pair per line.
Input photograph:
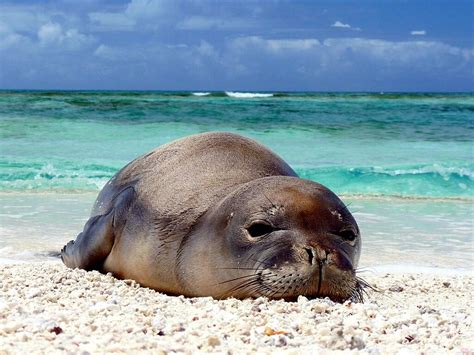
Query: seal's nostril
[310,255]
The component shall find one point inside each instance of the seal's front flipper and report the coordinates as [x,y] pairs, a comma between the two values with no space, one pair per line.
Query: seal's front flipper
[93,245]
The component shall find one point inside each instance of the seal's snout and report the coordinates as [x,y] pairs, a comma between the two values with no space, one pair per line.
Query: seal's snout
[316,255]
[319,257]
[311,257]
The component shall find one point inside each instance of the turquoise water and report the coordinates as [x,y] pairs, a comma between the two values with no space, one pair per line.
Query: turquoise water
[395,150]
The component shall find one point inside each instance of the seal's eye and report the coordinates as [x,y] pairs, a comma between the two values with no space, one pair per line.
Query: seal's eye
[348,235]
[260,228]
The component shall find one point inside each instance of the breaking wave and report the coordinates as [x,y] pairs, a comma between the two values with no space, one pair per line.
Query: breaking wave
[247,95]
[436,181]
[433,181]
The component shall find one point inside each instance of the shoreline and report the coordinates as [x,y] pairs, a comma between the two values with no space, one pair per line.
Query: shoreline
[374,271]
[434,235]
[45,307]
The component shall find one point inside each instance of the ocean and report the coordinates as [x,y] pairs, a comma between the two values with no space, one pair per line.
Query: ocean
[403,162]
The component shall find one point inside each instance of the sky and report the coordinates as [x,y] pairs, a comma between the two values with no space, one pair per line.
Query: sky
[265,45]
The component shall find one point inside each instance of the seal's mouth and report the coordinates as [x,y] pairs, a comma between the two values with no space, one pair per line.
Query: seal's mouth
[311,271]
[322,274]
[321,281]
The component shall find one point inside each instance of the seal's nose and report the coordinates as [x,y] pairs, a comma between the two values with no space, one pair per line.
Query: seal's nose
[310,255]
[316,255]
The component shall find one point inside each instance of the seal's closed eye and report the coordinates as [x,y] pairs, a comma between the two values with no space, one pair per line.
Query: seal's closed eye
[347,235]
[259,229]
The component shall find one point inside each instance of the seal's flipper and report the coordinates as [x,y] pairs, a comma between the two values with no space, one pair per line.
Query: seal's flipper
[94,243]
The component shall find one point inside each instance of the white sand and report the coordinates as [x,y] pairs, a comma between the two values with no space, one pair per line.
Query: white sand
[94,313]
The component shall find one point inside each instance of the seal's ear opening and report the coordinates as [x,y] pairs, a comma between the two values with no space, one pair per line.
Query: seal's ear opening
[259,229]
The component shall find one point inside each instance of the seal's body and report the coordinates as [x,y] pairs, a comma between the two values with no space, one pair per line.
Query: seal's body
[219,215]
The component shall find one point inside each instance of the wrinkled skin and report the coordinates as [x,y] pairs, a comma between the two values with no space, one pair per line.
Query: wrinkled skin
[219,215]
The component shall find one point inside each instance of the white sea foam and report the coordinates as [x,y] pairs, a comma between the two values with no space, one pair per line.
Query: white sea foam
[438,169]
[246,95]
[201,93]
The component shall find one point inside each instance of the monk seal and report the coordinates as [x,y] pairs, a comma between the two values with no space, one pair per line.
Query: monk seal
[218,214]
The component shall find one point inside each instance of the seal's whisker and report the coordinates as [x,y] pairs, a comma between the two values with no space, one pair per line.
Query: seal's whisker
[306,287]
[356,294]
[249,288]
[244,284]
[269,291]
[265,265]
[282,294]
[260,262]
[359,290]
[279,288]
[235,279]
[265,289]
[236,268]
[364,269]
[270,251]
[276,246]
[262,287]
[271,202]
[258,288]
[376,289]
[363,283]
[346,206]
[263,262]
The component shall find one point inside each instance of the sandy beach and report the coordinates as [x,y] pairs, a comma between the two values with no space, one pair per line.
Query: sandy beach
[47,308]
[241,148]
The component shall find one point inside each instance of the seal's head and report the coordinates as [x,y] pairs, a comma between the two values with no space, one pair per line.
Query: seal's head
[278,237]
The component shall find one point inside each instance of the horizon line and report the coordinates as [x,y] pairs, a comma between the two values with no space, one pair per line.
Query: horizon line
[244,91]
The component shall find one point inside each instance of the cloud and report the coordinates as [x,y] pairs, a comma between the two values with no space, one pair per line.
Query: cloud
[31,30]
[153,53]
[174,14]
[339,24]
[207,23]
[105,52]
[25,19]
[112,21]
[207,50]
[136,14]
[292,44]
[393,51]
[276,45]
[151,63]
[53,34]
[21,19]
[71,42]
[9,38]
[425,55]
[49,33]
[354,58]
[146,8]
